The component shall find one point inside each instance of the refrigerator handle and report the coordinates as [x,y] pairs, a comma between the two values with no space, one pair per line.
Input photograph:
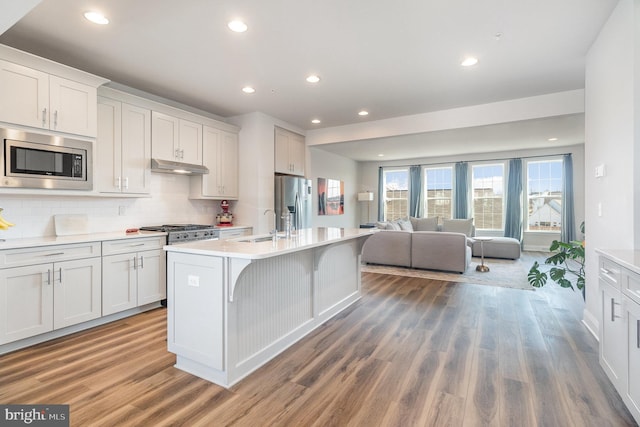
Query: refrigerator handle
[296,223]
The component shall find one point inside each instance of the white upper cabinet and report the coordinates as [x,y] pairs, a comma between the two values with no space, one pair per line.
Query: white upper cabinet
[220,156]
[176,139]
[290,152]
[123,148]
[36,99]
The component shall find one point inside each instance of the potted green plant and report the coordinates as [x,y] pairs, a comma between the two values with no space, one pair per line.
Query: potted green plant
[566,258]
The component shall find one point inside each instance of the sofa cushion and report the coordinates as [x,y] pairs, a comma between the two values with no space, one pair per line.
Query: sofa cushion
[464,226]
[388,248]
[438,250]
[405,225]
[498,247]
[424,224]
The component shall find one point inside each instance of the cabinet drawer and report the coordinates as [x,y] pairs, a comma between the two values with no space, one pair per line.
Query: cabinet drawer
[124,246]
[45,254]
[631,286]
[610,272]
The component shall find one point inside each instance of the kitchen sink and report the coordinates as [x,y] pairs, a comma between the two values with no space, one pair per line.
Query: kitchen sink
[258,239]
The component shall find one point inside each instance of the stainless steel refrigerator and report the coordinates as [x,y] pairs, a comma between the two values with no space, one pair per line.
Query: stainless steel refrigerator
[293,194]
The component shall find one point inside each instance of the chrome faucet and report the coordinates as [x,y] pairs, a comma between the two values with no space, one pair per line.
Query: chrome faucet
[273,232]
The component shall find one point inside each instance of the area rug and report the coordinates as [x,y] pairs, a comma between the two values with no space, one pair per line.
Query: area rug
[505,273]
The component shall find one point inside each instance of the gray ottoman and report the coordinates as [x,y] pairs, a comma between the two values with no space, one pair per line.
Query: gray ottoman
[498,247]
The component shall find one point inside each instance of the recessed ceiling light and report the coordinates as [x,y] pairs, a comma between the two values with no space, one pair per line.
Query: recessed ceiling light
[237,26]
[363,113]
[313,78]
[380,155]
[469,61]
[552,139]
[315,121]
[248,89]
[96,18]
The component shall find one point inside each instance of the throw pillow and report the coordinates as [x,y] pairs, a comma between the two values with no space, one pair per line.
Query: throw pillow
[381,225]
[464,226]
[405,225]
[425,224]
[393,225]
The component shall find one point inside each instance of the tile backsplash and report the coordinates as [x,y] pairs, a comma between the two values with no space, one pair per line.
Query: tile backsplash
[169,203]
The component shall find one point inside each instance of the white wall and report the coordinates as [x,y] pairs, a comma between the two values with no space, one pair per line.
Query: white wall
[256,165]
[368,179]
[33,215]
[329,165]
[611,132]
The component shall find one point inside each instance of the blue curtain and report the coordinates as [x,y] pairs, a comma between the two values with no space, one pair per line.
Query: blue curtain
[567,232]
[461,208]
[415,191]
[380,194]
[513,217]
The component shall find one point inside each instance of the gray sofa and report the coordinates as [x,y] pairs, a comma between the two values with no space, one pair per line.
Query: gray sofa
[433,250]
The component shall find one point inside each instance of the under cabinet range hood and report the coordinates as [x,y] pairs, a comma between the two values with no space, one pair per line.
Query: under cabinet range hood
[167,166]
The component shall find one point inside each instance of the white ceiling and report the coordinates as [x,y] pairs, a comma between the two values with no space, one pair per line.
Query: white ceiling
[391,58]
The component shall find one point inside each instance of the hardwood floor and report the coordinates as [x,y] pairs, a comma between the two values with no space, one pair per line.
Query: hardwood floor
[410,352]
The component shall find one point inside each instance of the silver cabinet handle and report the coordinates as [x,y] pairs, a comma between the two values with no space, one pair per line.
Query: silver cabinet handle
[135,263]
[48,276]
[126,183]
[60,277]
[55,119]
[44,117]
[119,183]
[141,262]
[54,254]
[604,270]
[613,310]
[136,244]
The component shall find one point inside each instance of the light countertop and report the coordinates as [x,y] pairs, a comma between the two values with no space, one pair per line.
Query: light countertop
[300,240]
[628,258]
[32,242]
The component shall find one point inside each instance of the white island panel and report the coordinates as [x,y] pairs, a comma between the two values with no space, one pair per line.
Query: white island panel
[247,309]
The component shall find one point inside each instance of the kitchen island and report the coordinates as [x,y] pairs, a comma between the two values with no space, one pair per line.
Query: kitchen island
[234,305]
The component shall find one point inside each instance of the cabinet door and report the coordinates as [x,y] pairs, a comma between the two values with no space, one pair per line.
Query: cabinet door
[297,154]
[152,276]
[119,290]
[211,141]
[190,145]
[164,136]
[290,152]
[633,322]
[282,164]
[613,340]
[77,292]
[108,176]
[136,149]
[25,95]
[73,107]
[228,165]
[26,302]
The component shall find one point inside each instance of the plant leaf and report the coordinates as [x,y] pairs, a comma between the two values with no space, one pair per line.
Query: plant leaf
[535,277]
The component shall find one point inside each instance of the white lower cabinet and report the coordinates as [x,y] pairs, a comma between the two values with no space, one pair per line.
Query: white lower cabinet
[37,297]
[133,273]
[620,328]
[633,330]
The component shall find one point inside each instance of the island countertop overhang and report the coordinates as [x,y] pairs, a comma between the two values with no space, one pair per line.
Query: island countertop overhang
[243,249]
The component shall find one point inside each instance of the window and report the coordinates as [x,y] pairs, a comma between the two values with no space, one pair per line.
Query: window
[488,195]
[544,195]
[438,191]
[396,193]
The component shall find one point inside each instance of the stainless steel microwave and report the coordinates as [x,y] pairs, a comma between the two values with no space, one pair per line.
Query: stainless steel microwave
[31,160]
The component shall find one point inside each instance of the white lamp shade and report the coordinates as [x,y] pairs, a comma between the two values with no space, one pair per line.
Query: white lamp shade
[365,197]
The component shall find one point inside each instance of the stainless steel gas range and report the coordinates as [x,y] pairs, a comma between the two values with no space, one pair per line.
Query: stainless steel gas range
[179,233]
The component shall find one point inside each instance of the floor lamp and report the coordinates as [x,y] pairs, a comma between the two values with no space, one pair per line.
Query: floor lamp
[366,196]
